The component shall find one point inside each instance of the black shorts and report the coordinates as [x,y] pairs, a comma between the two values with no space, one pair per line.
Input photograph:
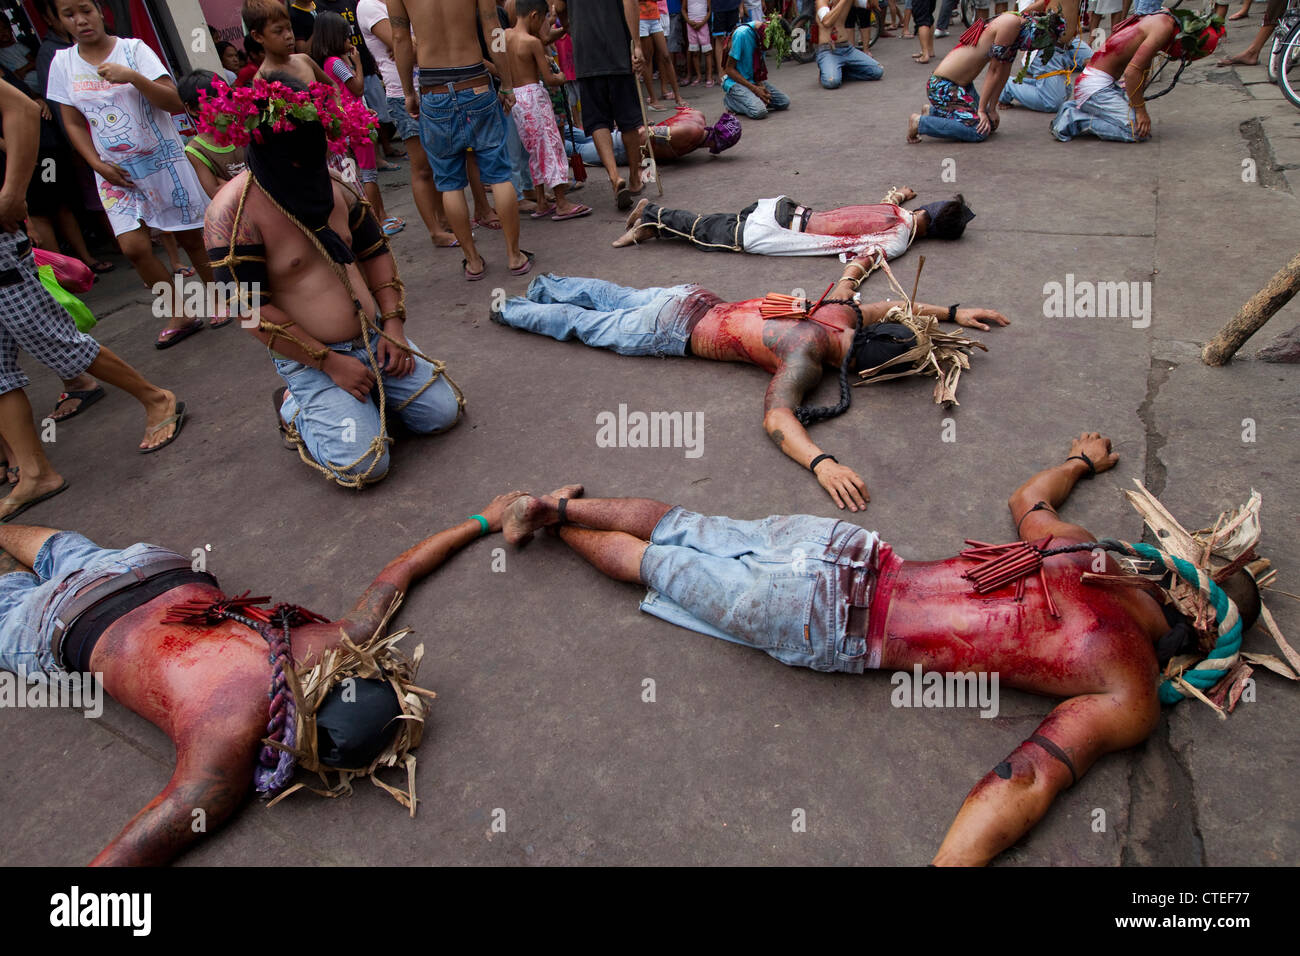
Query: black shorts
[609,102]
[923,12]
[1273,12]
[724,22]
[859,17]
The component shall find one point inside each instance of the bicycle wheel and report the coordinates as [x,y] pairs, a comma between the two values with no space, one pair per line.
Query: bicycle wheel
[877,23]
[1288,67]
[806,51]
[1279,40]
[967,11]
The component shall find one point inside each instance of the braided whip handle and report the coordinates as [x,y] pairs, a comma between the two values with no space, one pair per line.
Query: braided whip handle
[274,766]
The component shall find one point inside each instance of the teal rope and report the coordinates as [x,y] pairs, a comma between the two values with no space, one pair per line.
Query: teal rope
[1202,677]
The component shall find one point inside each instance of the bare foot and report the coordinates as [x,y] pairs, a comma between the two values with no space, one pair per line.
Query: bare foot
[638,233]
[1241,59]
[913,128]
[905,193]
[921,59]
[1239,15]
[635,215]
[164,406]
[525,515]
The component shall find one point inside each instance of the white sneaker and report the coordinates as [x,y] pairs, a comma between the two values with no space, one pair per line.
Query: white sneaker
[941,33]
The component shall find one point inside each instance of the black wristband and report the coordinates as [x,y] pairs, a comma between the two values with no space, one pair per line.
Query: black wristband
[812,465]
[1092,469]
[952,312]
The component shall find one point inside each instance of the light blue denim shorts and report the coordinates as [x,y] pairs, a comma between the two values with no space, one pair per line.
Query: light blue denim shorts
[66,564]
[784,584]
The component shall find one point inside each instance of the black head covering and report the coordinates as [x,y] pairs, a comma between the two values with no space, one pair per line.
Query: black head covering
[948,219]
[290,166]
[355,722]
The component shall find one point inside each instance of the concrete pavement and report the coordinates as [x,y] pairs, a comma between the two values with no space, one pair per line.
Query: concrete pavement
[540,668]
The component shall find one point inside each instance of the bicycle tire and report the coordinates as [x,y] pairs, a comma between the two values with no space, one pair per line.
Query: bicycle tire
[1285,25]
[810,49]
[967,11]
[1288,74]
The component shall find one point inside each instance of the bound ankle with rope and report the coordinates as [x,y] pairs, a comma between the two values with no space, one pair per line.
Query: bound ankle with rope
[275,761]
[345,475]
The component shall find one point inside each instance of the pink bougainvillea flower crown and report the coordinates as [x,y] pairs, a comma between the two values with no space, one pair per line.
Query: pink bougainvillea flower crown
[236,116]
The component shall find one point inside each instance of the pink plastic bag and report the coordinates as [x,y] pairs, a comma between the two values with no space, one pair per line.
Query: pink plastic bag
[73,274]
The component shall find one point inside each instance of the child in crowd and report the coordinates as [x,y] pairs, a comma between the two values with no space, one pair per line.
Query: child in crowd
[332,48]
[698,44]
[267,22]
[214,165]
[533,113]
[254,54]
[117,99]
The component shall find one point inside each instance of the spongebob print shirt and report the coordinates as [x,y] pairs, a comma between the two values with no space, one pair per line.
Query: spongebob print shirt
[130,132]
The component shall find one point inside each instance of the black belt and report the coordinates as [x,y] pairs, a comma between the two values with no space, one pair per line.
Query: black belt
[87,615]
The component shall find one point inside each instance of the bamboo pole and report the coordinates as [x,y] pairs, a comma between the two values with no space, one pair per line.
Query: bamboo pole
[1261,307]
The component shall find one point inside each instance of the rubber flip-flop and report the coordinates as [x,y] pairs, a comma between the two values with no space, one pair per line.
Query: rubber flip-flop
[99,267]
[87,398]
[527,267]
[35,501]
[445,245]
[488,225]
[185,272]
[178,419]
[473,276]
[574,213]
[393,225]
[541,213]
[623,196]
[217,322]
[388,168]
[169,337]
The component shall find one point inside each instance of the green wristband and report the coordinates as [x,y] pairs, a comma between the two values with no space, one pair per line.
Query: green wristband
[483,524]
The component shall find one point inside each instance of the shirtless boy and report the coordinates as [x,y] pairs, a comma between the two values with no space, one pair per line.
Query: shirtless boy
[955,110]
[782,227]
[826,594]
[533,114]
[268,23]
[313,299]
[93,610]
[1106,109]
[687,320]
[837,58]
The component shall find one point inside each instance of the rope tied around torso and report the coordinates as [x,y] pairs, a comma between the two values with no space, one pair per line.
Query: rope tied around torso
[369,329]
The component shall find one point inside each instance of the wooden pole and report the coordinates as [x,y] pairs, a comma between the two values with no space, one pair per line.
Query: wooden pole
[917,284]
[1261,307]
[645,124]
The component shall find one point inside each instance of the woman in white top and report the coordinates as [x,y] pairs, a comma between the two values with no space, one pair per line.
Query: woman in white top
[120,90]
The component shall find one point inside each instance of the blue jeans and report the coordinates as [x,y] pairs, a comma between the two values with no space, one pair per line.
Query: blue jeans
[603,315]
[520,177]
[950,127]
[740,100]
[782,584]
[337,429]
[845,62]
[1047,95]
[1106,114]
[451,124]
[1142,8]
[66,564]
[945,14]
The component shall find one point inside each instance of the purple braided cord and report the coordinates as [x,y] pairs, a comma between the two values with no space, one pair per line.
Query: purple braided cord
[275,767]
